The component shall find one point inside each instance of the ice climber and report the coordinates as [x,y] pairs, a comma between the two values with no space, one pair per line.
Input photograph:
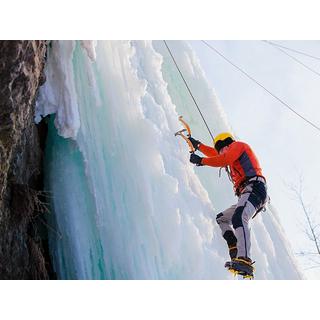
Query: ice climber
[249,186]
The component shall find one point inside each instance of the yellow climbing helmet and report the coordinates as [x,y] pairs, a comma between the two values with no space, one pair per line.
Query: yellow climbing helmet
[222,136]
[222,140]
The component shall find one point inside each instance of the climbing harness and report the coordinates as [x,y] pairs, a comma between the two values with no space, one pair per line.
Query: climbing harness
[253,180]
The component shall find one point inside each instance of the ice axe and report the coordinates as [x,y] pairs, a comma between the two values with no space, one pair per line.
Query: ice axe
[187,130]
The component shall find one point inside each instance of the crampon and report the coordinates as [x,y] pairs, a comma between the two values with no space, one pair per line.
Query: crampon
[240,267]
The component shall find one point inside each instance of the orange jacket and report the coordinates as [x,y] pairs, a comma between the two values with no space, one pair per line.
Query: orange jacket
[238,156]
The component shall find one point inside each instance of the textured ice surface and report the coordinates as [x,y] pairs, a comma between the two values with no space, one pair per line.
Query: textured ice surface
[126,202]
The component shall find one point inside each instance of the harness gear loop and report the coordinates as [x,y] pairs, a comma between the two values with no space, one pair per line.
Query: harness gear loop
[228,173]
[263,208]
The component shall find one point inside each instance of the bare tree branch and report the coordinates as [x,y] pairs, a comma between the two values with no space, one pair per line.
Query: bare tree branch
[311,230]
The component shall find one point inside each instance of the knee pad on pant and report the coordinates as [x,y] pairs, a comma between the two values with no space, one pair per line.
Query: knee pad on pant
[218,217]
[237,217]
[230,238]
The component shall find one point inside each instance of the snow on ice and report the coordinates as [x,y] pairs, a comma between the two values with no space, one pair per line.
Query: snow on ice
[126,202]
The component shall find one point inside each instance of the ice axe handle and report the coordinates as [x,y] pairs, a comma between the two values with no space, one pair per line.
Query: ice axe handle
[185,125]
[180,133]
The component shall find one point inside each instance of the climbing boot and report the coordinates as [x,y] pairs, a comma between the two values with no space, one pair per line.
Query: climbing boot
[233,251]
[231,241]
[244,265]
[241,266]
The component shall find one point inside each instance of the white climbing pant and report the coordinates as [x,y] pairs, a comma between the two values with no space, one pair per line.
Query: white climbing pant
[237,217]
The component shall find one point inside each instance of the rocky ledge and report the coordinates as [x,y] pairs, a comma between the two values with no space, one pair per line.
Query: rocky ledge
[22,203]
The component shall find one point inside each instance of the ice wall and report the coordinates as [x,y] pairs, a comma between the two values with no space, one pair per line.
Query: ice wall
[126,202]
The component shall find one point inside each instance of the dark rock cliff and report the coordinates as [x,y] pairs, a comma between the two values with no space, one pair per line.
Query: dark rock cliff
[21,200]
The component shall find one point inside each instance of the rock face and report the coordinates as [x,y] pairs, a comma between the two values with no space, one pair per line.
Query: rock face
[21,201]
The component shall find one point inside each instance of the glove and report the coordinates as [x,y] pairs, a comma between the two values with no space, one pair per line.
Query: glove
[195,159]
[194,142]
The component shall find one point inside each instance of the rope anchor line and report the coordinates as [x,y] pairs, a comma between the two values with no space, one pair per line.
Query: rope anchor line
[291,56]
[186,84]
[261,85]
[290,49]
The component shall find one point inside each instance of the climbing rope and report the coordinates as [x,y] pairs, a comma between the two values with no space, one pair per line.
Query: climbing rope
[292,57]
[185,82]
[293,50]
[262,86]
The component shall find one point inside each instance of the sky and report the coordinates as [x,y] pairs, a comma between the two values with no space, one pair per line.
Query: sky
[286,146]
